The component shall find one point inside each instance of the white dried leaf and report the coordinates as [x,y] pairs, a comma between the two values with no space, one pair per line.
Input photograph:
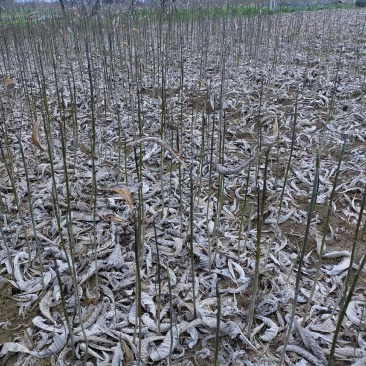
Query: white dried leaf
[117,359]
[338,268]
[301,352]
[171,340]
[309,341]
[58,343]
[272,330]
[327,326]
[13,347]
[355,312]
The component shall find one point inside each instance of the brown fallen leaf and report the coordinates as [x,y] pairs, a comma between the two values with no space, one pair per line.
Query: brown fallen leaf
[126,194]
[7,82]
[34,137]
[128,353]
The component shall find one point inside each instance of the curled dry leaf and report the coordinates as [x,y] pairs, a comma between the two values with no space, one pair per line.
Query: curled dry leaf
[126,194]
[272,330]
[34,137]
[301,352]
[309,341]
[58,343]
[163,144]
[12,347]
[231,171]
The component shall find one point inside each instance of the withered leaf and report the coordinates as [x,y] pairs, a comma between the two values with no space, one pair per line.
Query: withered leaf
[7,82]
[126,194]
[34,137]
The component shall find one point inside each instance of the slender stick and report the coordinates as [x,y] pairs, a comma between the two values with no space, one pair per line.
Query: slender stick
[218,321]
[260,218]
[158,268]
[348,296]
[302,256]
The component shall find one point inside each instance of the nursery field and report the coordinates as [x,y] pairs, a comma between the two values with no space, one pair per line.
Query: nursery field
[183,188]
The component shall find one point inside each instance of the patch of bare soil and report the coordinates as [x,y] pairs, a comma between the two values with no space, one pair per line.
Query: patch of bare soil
[8,311]
[13,325]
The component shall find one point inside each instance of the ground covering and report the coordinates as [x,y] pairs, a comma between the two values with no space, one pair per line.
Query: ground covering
[183,189]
